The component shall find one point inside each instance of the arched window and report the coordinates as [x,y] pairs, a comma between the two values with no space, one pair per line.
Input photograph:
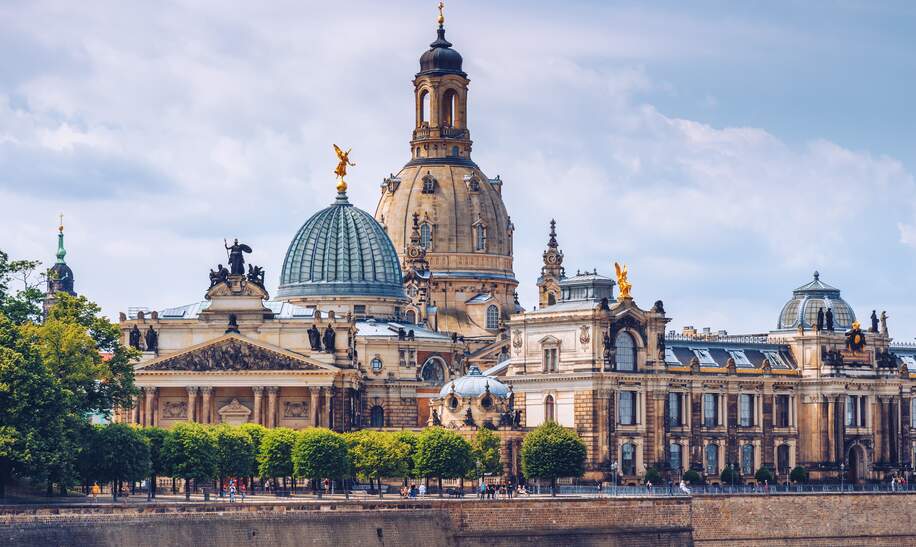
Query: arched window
[747,460]
[424,108]
[675,462]
[429,184]
[411,317]
[426,235]
[626,352]
[551,299]
[433,371]
[377,417]
[492,317]
[449,108]
[549,409]
[480,237]
[712,459]
[782,459]
[628,459]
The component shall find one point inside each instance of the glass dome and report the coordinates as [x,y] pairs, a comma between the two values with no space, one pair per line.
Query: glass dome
[474,384]
[806,300]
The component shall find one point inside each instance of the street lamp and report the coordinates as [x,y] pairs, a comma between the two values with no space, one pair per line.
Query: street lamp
[614,474]
[842,477]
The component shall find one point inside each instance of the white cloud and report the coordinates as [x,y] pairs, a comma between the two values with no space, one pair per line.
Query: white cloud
[161,131]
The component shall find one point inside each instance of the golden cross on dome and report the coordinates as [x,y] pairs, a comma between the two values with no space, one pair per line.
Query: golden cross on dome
[441,15]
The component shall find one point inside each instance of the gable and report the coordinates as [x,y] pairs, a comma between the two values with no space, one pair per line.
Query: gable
[233,353]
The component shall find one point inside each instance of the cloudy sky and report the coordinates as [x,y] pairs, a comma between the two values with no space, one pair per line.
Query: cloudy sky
[724,150]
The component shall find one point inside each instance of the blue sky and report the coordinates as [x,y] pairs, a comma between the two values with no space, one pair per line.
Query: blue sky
[724,150]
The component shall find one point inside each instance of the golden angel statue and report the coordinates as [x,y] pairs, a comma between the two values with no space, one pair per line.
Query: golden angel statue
[343,161]
[622,282]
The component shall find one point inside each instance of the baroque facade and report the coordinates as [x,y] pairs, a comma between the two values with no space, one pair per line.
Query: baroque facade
[408,318]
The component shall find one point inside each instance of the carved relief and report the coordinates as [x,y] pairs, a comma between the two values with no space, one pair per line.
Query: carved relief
[295,409]
[584,337]
[233,355]
[175,410]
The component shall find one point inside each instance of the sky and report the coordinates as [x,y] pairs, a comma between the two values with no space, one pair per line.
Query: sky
[723,150]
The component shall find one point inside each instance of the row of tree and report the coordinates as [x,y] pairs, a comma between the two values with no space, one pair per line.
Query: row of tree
[55,375]
[199,454]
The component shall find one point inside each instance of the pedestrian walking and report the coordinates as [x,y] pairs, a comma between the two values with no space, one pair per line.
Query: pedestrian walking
[96,490]
[683,487]
[232,492]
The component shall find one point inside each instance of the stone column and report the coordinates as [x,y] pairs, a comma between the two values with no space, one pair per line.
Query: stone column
[192,401]
[326,414]
[148,394]
[313,405]
[207,393]
[258,396]
[134,416]
[272,406]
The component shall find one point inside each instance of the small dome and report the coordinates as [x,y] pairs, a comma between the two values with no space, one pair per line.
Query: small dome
[341,251]
[475,384]
[806,300]
[440,58]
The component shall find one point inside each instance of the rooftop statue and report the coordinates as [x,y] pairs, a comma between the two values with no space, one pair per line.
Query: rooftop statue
[343,160]
[622,281]
[236,259]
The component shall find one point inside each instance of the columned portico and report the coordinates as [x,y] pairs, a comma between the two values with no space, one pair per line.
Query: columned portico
[149,393]
[205,414]
[272,406]
[313,406]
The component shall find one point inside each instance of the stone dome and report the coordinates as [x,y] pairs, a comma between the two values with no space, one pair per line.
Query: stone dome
[475,384]
[440,58]
[806,300]
[341,251]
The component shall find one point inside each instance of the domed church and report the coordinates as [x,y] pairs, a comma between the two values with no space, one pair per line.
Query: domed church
[446,218]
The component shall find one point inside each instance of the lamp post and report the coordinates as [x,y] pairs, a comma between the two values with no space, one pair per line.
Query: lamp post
[614,474]
[842,477]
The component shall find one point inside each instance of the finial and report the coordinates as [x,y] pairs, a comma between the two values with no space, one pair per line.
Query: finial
[60,227]
[817,275]
[441,18]
[61,251]
[343,160]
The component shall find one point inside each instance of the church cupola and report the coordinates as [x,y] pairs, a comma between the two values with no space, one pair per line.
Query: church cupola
[552,272]
[60,276]
[441,93]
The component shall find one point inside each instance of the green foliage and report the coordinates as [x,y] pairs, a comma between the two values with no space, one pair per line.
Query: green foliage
[159,462]
[24,304]
[764,474]
[320,453]
[372,454]
[798,474]
[275,457]
[443,454]
[486,451]
[730,475]
[256,433]
[118,452]
[235,452]
[551,451]
[692,477]
[192,451]
[653,475]
[403,448]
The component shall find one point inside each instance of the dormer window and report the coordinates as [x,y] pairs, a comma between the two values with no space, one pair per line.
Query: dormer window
[429,184]
[480,237]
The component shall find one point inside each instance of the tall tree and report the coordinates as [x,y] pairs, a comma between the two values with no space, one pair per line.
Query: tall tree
[235,453]
[275,458]
[160,466]
[403,447]
[320,454]
[20,289]
[551,451]
[486,451]
[192,451]
[372,455]
[119,453]
[442,454]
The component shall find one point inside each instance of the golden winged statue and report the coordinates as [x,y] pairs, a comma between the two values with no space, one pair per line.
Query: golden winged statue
[622,283]
[343,160]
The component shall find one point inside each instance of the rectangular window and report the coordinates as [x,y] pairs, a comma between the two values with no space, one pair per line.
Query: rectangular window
[705,358]
[550,360]
[674,409]
[627,407]
[359,309]
[740,358]
[856,410]
[913,413]
[671,358]
[712,459]
[710,409]
[782,411]
[674,457]
[745,410]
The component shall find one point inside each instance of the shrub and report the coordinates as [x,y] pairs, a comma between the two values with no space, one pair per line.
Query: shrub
[764,474]
[653,476]
[798,474]
[692,477]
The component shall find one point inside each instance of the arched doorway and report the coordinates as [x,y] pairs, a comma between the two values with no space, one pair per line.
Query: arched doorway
[856,467]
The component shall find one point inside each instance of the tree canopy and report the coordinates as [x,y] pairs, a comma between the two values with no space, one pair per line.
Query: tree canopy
[551,451]
[486,451]
[442,454]
[236,455]
[192,451]
[320,453]
[275,459]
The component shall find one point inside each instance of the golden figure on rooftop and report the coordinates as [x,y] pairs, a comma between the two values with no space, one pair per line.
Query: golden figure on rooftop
[622,281]
[343,160]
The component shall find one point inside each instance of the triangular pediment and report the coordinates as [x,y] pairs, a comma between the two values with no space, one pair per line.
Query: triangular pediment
[233,352]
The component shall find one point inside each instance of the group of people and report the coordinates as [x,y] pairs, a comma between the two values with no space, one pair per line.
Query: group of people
[493,491]
[413,491]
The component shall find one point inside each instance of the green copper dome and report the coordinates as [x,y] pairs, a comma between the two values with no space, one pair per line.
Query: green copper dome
[341,251]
